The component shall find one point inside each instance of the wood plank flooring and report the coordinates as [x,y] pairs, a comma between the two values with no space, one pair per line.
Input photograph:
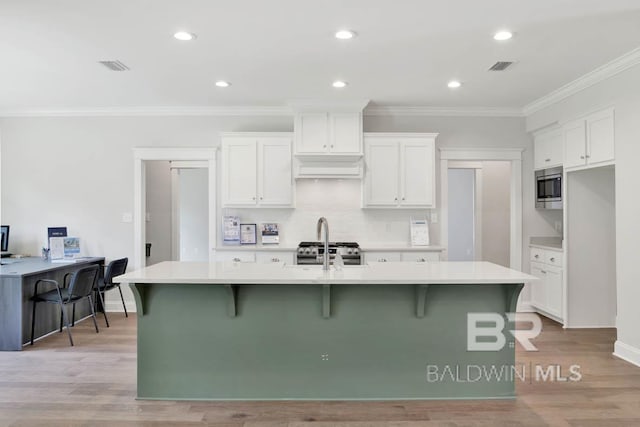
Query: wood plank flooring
[93,384]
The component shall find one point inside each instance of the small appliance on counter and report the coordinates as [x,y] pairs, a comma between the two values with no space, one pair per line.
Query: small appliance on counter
[310,253]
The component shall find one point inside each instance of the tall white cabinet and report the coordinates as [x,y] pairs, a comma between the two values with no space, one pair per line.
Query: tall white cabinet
[399,170]
[257,170]
[589,141]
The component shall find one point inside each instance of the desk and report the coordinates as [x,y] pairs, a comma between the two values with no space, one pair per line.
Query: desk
[17,283]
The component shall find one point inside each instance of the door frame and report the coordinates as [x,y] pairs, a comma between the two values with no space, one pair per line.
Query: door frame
[143,154]
[513,155]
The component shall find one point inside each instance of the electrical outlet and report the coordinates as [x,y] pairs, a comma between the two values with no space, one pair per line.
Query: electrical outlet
[434,217]
[558,226]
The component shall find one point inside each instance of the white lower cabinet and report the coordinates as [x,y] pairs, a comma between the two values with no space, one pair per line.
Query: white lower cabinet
[381,257]
[236,256]
[420,256]
[406,256]
[266,257]
[547,293]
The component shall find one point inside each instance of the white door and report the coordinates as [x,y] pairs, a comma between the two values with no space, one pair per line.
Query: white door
[382,172]
[416,173]
[574,144]
[312,133]
[461,214]
[275,177]
[346,132]
[193,214]
[239,172]
[600,137]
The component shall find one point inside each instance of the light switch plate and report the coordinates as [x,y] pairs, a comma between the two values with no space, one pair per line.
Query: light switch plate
[434,217]
[127,217]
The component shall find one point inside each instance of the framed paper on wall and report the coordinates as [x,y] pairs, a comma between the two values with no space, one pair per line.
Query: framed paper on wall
[248,234]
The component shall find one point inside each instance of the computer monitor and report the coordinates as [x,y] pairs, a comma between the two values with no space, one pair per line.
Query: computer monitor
[4,238]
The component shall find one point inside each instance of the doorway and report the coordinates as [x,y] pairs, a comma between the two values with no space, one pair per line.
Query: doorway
[206,155]
[512,157]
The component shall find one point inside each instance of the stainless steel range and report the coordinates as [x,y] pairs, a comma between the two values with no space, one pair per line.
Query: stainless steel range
[312,252]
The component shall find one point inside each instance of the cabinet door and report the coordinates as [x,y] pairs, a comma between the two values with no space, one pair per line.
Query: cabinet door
[381,173]
[554,290]
[345,133]
[267,257]
[420,256]
[275,186]
[548,150]
[382,257]
[312,133]
[539,288]
[574,144]
[600,137]
[239,172]
[417,173]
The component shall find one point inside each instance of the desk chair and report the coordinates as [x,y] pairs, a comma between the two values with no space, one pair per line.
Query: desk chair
[81,285]
[115,268]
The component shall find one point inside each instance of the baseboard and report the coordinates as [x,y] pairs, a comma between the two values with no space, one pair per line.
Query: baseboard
[116,306]
[627,352]
[525,307]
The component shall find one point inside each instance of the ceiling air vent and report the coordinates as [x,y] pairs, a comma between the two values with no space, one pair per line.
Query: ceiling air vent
[501,66]
[114,65]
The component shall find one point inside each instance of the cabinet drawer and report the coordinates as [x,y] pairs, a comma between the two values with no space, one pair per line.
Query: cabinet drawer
[382,257]
[238,256]
[271,256]
[420,256]
[553,258]
[538,255]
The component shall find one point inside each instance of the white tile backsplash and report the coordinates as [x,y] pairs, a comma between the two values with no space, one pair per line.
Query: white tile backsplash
[338,200]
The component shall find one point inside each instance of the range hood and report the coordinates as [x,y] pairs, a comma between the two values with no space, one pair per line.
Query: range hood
[328,138]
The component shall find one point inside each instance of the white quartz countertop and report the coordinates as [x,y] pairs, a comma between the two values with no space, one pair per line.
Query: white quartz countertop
[277,273]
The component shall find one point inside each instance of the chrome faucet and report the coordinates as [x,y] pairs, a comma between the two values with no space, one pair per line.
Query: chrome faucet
[323,221]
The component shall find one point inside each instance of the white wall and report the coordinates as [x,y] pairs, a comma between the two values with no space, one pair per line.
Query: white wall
[620,91]
[496,208]
[158,203]
[79,172]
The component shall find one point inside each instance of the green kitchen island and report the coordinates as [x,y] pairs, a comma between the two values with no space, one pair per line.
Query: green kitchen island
[243,331]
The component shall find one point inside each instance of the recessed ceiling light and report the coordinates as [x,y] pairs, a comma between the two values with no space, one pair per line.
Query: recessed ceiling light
[454,84]
[502,35]
[222,83]
[345,34]
[184,36]
[339,84]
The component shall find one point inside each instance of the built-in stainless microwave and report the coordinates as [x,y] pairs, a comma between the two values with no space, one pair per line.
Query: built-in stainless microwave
[549,188]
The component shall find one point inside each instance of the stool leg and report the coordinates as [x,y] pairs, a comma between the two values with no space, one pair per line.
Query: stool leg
[123,304]
[66,322]
[73,315]
[93,313]
[33,320]
[104,309]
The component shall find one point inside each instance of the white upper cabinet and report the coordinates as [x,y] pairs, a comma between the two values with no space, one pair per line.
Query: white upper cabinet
[548,151]
[399,170]
[256,170]
[328,133]
[589,141]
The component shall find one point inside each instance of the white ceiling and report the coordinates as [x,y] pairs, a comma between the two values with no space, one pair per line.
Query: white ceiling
[277,50]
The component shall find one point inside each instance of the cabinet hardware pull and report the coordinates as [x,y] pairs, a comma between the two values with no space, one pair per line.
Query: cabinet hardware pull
[396,199]
[382,260]
[403,198]
[547,160]
[260,197]
[536,256]
[588,156]
[552,259]
[582,157]
[543,272]
[236,260]
[324,146]
[422,260]
[254,197]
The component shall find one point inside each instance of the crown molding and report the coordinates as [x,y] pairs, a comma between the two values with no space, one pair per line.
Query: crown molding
[255,111]
[601,73]
[150,111]
[443,111]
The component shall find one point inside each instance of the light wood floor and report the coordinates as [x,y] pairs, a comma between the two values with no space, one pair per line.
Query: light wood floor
[52,384]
